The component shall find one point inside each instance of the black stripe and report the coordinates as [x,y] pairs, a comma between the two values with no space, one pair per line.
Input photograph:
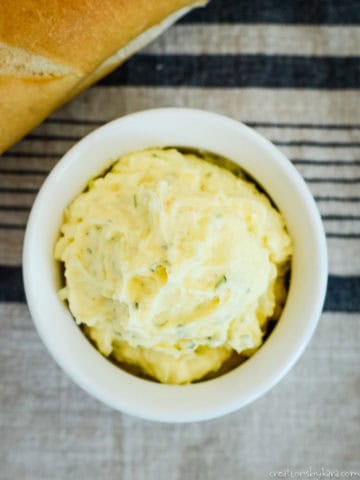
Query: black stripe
[346,236]
[14,208]
[75,121]
[313,143]
[333,180]
[339,163]
[331,12]
[325,198]
[23,171]
[63,138]
[343,294]
[11,284]
[231,71]
[340,218]
[321,126]
[11,226]
[31,155]
[17,190]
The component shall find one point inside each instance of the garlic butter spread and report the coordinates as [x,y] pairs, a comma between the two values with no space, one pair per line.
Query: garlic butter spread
[173,263]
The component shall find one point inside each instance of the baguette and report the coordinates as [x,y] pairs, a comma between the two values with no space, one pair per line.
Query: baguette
[50,50]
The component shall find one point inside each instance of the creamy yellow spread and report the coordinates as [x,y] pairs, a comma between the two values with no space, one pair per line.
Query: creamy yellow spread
[173,263]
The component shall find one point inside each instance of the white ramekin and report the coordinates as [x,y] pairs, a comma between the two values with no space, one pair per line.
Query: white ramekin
[64,340]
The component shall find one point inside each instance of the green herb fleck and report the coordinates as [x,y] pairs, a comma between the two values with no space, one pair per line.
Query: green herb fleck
[209,337]
[119,334]
[98,227]
[136,305]
[222,280]
[162,324]
[135,201]
[89,250]
[179,325]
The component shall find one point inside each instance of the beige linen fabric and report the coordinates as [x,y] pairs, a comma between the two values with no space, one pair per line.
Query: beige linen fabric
[309,423]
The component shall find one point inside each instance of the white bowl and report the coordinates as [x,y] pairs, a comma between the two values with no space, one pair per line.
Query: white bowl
[64,340]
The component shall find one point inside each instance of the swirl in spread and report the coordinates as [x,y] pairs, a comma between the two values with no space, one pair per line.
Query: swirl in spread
[172,264]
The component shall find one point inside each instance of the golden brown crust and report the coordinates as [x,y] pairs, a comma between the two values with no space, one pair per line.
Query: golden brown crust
[26,103]
[78,35]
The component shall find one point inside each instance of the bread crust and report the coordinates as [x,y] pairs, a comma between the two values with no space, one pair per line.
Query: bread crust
[76,35]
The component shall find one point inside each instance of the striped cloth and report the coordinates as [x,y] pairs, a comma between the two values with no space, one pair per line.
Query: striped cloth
[291,70]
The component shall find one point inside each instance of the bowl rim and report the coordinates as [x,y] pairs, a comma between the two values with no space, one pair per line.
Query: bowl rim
[292,356]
